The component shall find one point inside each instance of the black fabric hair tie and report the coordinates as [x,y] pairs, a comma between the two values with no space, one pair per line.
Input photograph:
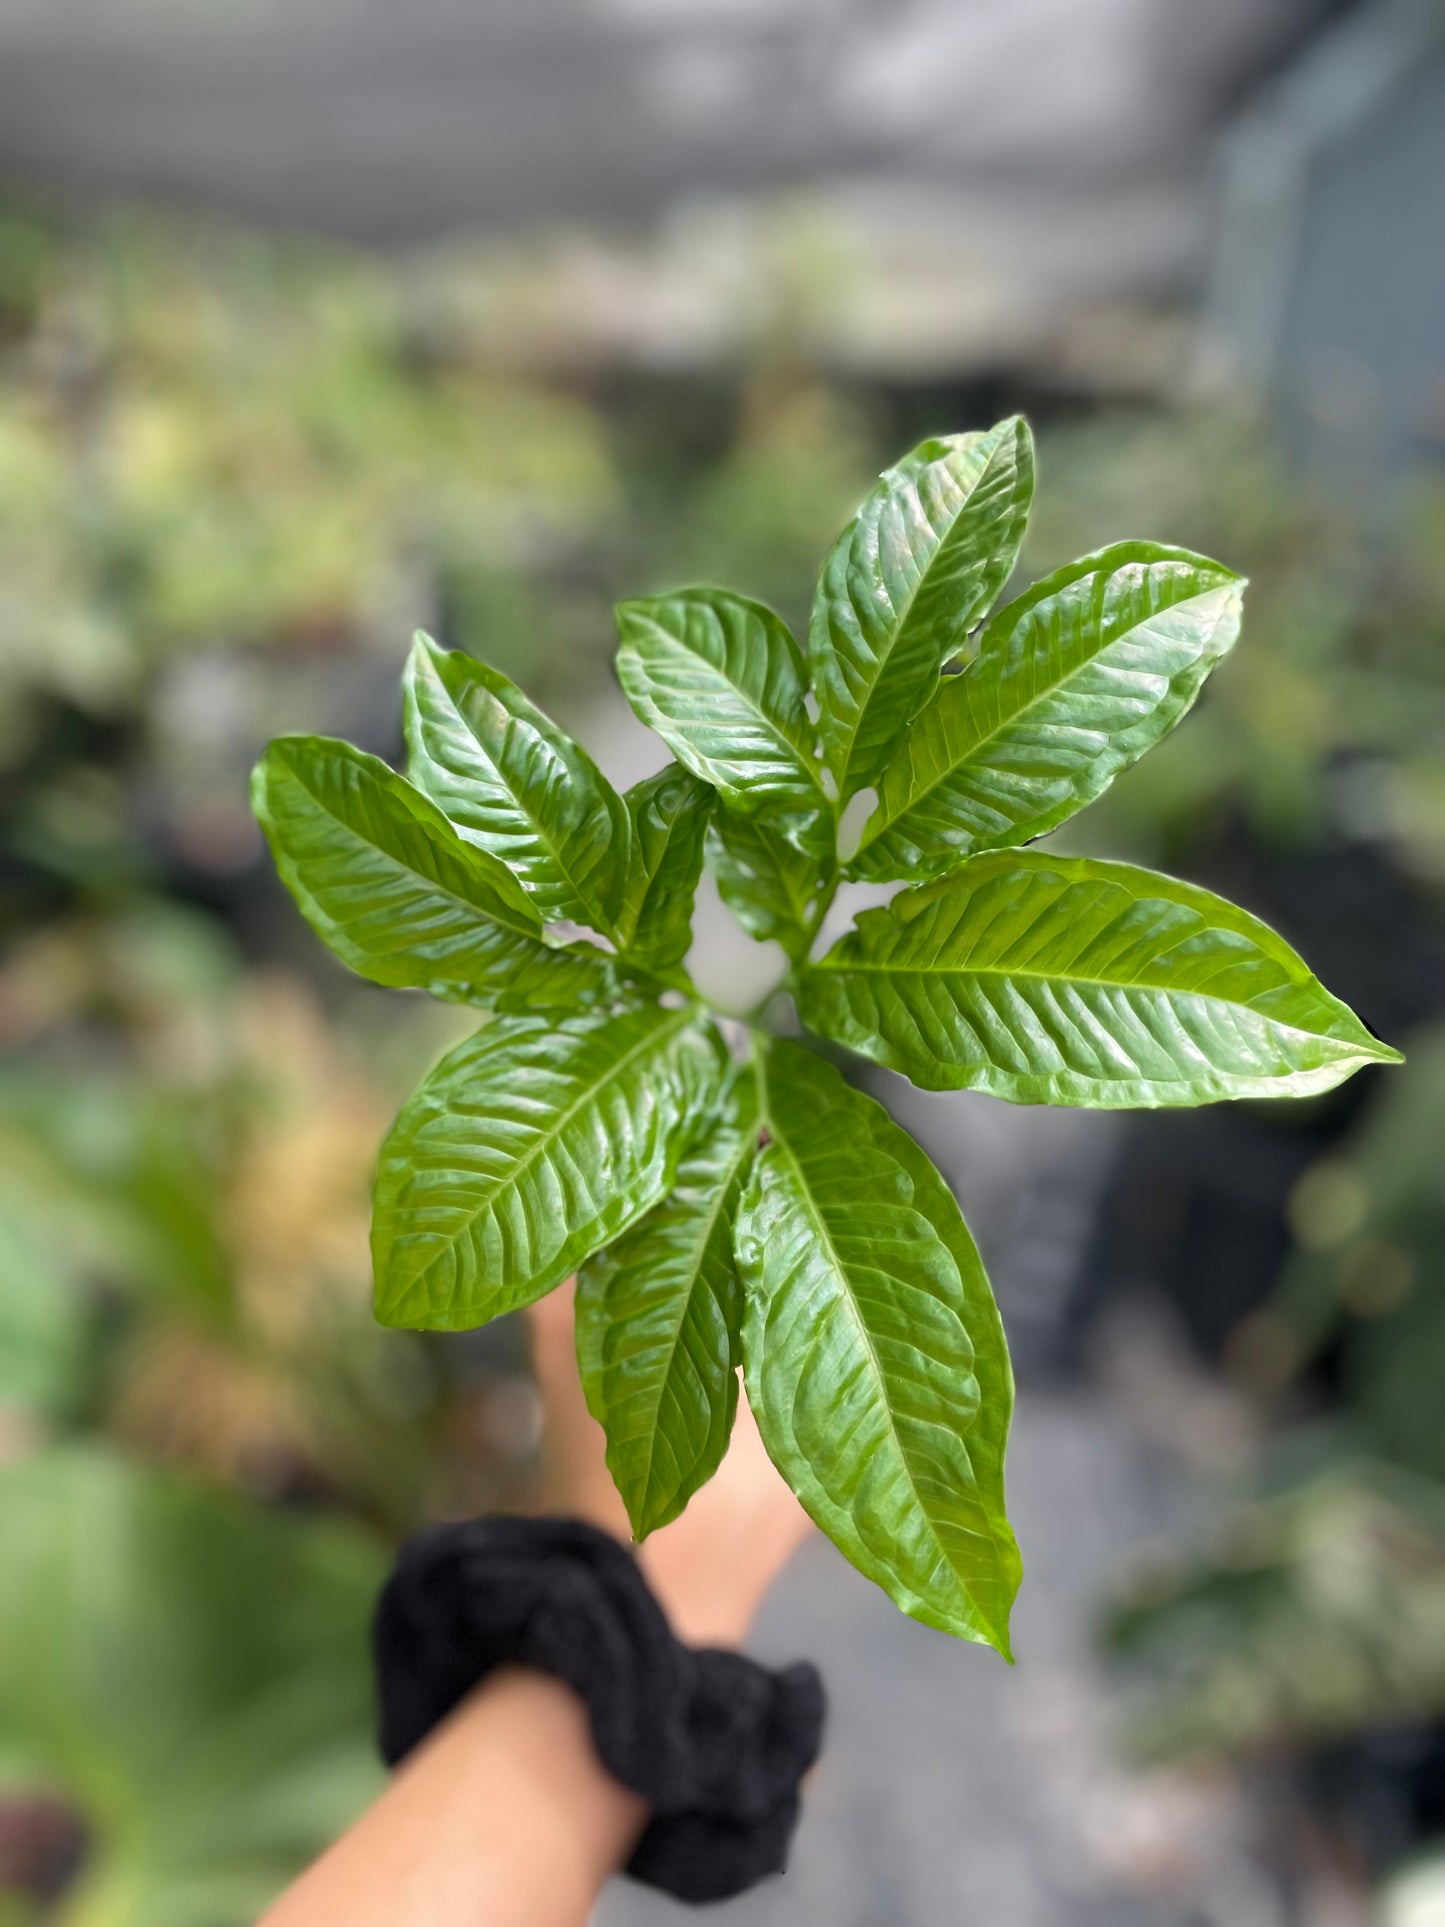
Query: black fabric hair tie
[713,1742]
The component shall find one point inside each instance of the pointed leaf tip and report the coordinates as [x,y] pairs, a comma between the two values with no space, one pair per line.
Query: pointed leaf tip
[920,562]
[873,1353]
[1066,980]
[385,881]
[1072,683]
[516,785]
[658,1316]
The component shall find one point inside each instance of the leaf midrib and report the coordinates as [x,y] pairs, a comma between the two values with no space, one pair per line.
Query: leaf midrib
[771,849]
[880,1378]
[869,968]
[972,675]
[679,1021]
[797,905]
[628,927]
[795,752]
[746,1148]
[903,617]
[554,850]
[532,931]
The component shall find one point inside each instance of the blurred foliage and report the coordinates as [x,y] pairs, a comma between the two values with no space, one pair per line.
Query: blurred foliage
[186,1153]
[1361,1294]
[187,1672]
[235,471]
[208,436]
[1313,1615]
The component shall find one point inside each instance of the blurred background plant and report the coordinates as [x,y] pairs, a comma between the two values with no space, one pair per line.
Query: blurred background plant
[237,467]
[234,469]
[1302,1257]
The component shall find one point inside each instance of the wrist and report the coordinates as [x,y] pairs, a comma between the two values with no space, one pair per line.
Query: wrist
[710,1746]
[502,1814]
[533,1730]
[708,1598]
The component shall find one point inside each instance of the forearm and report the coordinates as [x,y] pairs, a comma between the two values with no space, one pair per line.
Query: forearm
[504,1817]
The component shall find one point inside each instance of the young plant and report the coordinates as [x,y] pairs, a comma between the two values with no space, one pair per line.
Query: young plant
[752,1207]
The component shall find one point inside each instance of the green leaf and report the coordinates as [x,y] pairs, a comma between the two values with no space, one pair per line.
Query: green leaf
[913,571]
[529,1147]
[770,886]
[516,785]
[722,682]
[874,1358]
[669,814]
[191,1671]
[1056,980]
[386,882]
[658,1317]
[1071,684]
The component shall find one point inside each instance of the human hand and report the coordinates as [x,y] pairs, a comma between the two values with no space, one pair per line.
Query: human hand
[710,1568]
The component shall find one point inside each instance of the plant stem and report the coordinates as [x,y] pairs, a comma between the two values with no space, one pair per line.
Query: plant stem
[757,1044]
[824,905]
[815,924]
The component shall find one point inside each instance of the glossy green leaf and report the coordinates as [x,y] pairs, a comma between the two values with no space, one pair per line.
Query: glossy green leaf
[613,1136]
[1071,684]
[529,1147]
[913,571]
[874,1359]
[1056,980]
[669,815]
[516,785]
[658,1317]
[386,882]
[722,682]
[770,886]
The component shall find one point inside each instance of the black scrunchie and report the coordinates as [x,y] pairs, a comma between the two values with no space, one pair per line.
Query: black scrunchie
[713,1742]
